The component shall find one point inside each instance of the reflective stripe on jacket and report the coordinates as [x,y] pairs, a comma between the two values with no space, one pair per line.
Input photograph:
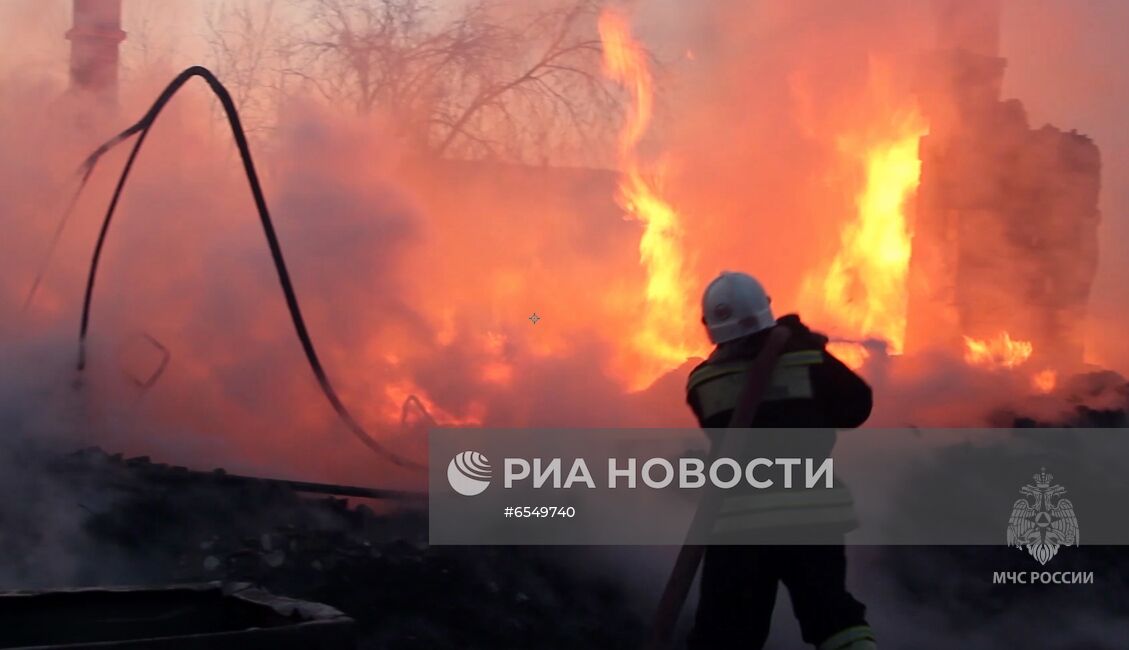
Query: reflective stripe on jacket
[809,389]
[824,507]
[717,387]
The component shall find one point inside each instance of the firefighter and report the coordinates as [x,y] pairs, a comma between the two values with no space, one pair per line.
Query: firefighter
[811,389]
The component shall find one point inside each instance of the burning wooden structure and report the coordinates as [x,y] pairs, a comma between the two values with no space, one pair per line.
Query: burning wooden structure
[1005,232]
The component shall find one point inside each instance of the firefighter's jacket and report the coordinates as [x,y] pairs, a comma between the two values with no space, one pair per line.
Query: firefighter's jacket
[811,390]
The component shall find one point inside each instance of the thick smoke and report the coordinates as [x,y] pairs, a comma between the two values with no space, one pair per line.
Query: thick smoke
[417,276]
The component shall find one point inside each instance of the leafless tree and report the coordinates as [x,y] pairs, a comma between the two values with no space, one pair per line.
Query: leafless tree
[247,43]
[153,45]
[483,82]
[517,80]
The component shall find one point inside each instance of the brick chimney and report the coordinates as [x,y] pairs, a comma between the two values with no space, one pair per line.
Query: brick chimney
[95,36]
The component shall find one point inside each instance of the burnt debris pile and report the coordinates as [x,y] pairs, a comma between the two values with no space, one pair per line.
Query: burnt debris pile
[139,522]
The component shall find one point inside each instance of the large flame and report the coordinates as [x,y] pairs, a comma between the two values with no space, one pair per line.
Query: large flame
[665,334]
[1001,351]
[862,294]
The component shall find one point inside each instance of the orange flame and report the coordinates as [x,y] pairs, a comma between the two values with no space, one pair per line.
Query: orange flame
[665,337]
[863,292]
[1044,381]
[853,355]
[999,352]
[398,392]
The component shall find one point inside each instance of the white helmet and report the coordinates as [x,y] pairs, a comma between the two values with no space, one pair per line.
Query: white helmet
[735,305]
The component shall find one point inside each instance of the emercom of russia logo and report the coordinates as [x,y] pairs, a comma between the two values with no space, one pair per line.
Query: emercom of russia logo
[469,473]
[1044,522]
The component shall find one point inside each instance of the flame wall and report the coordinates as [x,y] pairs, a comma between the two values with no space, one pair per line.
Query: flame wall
[772,123]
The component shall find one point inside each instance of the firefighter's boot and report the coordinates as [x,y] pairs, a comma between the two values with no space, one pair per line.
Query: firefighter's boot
[860,637]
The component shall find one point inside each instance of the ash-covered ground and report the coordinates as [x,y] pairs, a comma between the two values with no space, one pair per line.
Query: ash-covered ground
[945,596]
[942,597]
[90,518]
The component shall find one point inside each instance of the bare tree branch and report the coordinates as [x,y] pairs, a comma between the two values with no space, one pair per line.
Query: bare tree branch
[243,37]
[480,81]
[484,80]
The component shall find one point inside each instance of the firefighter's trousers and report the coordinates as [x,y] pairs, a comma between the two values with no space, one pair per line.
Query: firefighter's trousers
[738,592]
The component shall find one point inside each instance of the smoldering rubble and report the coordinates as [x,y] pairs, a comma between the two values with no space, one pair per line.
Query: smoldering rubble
[109,520]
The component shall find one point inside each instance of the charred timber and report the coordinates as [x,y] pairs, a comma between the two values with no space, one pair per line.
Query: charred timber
[94,459]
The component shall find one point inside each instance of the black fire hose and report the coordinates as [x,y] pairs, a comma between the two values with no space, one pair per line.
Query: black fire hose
[142,129]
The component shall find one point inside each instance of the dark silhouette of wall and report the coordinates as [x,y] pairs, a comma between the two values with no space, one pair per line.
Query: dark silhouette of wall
[1005,230]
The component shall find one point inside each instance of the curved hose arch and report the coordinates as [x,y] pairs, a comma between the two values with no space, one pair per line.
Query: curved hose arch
[142,129]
